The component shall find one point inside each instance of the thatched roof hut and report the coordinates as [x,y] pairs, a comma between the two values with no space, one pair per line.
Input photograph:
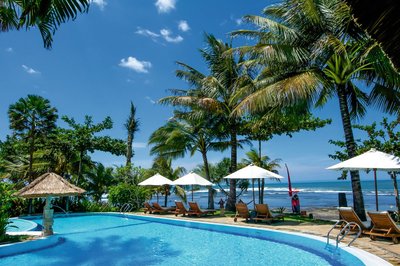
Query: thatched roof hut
[49,184]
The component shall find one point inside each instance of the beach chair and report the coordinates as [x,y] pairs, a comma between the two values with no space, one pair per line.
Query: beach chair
[158,209]
[148,208]
[349,215]
[180,208]
[383,226]
[264,214]
[242,211]
[194,209]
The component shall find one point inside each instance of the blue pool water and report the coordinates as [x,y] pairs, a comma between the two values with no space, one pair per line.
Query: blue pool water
[20,225]
[116,240]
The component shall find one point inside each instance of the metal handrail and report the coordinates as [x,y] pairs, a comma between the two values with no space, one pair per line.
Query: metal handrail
[348,226]
[126,207]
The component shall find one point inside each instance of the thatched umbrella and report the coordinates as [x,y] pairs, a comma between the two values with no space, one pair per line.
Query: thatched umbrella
[48,186]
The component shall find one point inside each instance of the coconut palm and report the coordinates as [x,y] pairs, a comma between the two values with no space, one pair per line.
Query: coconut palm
[163,166]
[179,137]
[216,93]
[98,179]
[32,119]
[131,126]
[265,162]
[313,51]
[46,15]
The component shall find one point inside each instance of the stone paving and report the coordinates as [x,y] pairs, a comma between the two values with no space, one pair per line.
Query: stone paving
[381,247]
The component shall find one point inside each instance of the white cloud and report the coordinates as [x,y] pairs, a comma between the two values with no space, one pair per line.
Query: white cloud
[135,65]
[100,3]
[150,100]
[9,50]
[183,26]
[147,33]
[165,6]
[30,70]
[166,34]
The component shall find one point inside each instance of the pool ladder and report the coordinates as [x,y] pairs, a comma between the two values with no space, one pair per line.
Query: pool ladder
[126,207]
[346,228]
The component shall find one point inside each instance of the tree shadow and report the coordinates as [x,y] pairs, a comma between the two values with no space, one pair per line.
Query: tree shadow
[111,250]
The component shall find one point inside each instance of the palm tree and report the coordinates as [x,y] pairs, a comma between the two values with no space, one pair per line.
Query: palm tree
[32,119]
[265,162]
[313,51]
[46,15]
[163,166]
[98,180]
[189,135]
[132,126]
[217,93]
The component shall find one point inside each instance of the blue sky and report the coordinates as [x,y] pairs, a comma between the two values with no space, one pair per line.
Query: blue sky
[126,50]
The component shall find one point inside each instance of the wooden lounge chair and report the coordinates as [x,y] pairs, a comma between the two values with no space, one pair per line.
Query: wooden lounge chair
[180,208]
[242,211]
[148,208]
[349,215]
[384,226]
[264,214]
[194,209]
[158,209]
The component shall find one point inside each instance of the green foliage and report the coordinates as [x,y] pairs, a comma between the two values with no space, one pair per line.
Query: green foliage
[47,16]
[125,193]
[85,205]
[6,198]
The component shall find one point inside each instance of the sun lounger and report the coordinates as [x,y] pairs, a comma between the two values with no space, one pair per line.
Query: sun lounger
[383,226]
[242,211]
[264,214]
[194,209]
[180,208]
[349,215]
[158,209]
[148,208]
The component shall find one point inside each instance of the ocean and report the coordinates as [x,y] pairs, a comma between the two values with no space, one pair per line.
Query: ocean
[311,195]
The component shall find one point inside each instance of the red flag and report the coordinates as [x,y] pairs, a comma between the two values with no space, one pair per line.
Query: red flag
[289,183]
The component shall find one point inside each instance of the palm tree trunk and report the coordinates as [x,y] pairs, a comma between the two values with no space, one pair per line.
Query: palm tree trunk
[230,204]
[207,172]
[31,151]
[79,168]
[358,199]
[129,150]
[396,191]
[260,187]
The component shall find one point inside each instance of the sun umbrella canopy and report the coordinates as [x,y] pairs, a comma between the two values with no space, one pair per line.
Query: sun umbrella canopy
[49,184]
[192,179]
[253,172]
[156,180]
[370,160]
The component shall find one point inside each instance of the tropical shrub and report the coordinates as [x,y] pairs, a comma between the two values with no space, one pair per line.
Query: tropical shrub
[125,193]
[6,198]
[85,205]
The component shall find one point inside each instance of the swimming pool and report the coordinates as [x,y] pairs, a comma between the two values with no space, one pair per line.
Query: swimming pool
[117,240]
[21,225]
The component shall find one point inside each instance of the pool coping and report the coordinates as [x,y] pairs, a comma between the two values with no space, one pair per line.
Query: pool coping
[46,242]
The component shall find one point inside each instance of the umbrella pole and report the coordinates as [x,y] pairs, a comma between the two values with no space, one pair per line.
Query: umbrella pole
[376,190]
[192,193]
[254,197]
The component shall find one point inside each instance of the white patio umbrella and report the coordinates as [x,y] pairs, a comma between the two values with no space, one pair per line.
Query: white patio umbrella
[371,160]
[253,172]
[192,179]
[157,180]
